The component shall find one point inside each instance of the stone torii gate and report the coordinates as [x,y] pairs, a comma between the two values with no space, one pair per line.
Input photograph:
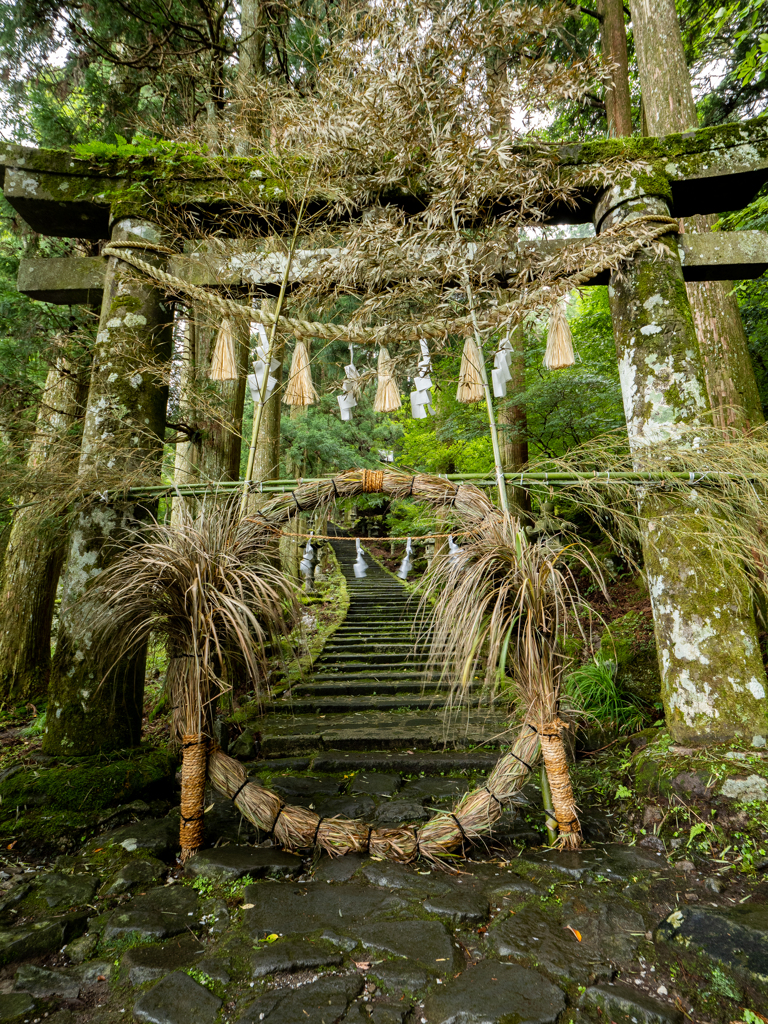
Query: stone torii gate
[713,681]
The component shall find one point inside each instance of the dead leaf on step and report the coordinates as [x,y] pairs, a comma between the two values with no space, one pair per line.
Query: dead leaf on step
[577,934]
[362,965]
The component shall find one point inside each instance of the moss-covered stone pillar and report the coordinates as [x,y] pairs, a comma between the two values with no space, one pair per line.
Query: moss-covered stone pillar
[93,703]
[712,677]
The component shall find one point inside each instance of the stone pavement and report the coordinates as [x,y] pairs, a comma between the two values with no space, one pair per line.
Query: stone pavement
[248,934]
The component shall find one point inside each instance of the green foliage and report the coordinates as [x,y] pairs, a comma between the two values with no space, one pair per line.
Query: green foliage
[210,888]
[594,692]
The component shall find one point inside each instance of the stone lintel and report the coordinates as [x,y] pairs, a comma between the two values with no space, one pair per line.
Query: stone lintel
[714,256]
[709,170]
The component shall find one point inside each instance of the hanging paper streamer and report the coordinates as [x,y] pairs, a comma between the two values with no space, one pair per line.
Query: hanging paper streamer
[300,389]
[502,368]
[421,398]
[360,566]
[470,387]
[453,550]
[307,563]
[346,399]
[224,361]
[559,339]
[256,378]
[387,391]
[406,565]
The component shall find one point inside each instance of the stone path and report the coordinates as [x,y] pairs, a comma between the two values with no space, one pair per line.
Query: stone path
[367,670]
[250,934]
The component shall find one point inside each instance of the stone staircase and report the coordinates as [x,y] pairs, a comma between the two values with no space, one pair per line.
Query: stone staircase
[370,688]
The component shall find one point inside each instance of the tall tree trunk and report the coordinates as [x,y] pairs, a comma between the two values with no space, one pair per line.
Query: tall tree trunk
[37,542]
[613,39]
[669,107]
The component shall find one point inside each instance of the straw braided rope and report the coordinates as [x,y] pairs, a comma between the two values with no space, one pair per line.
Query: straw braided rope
[298,828]
[193,772]
[655,226]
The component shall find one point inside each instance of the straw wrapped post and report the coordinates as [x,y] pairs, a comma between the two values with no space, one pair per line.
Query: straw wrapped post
[300,389]
[194,753]
[387,392]
[559,352]
[555,759]
[224,360]
[297,828]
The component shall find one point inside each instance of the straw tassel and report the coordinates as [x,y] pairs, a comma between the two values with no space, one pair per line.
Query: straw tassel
[387,392]
[559,340]
[300,389]
[470,382]
[224,361]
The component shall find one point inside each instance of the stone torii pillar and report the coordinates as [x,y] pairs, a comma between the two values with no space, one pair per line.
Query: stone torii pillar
[712,677]
[94,700]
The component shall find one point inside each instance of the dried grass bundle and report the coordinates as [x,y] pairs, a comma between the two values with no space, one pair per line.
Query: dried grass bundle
[205,587]
[387,392]
[559,351]
[297,828]
[515,601]
[470,387]
[224,359]
[300,389]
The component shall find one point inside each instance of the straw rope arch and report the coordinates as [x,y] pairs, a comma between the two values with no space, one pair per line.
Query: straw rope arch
[473,817]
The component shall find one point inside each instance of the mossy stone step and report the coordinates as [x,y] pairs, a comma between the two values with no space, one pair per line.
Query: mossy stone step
[355,684]
[379,730]
[336,704]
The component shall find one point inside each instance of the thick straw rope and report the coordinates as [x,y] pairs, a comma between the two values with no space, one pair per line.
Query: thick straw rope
[399,332]
[193,771]
[297,828]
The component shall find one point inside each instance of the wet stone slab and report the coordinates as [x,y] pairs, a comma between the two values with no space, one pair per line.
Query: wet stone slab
[60,892]
[495,993]
[158,914]
[152,961]
[621,1004]
[737,937]
[228,863]
[320,1002]
[15,1006]
[397,979]
[375,784]
[618,863]
[292,955]
[434,790]
[158,837]
[134,874]
[399,812]
[306,907]
[303,790]
[177,999]
[361,806]
[608,932]
[424,942]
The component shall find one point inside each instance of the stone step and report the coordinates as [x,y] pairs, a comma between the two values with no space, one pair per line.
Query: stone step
[330,684]
[379,730]
[376,658]
[343,704]
[360,670]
